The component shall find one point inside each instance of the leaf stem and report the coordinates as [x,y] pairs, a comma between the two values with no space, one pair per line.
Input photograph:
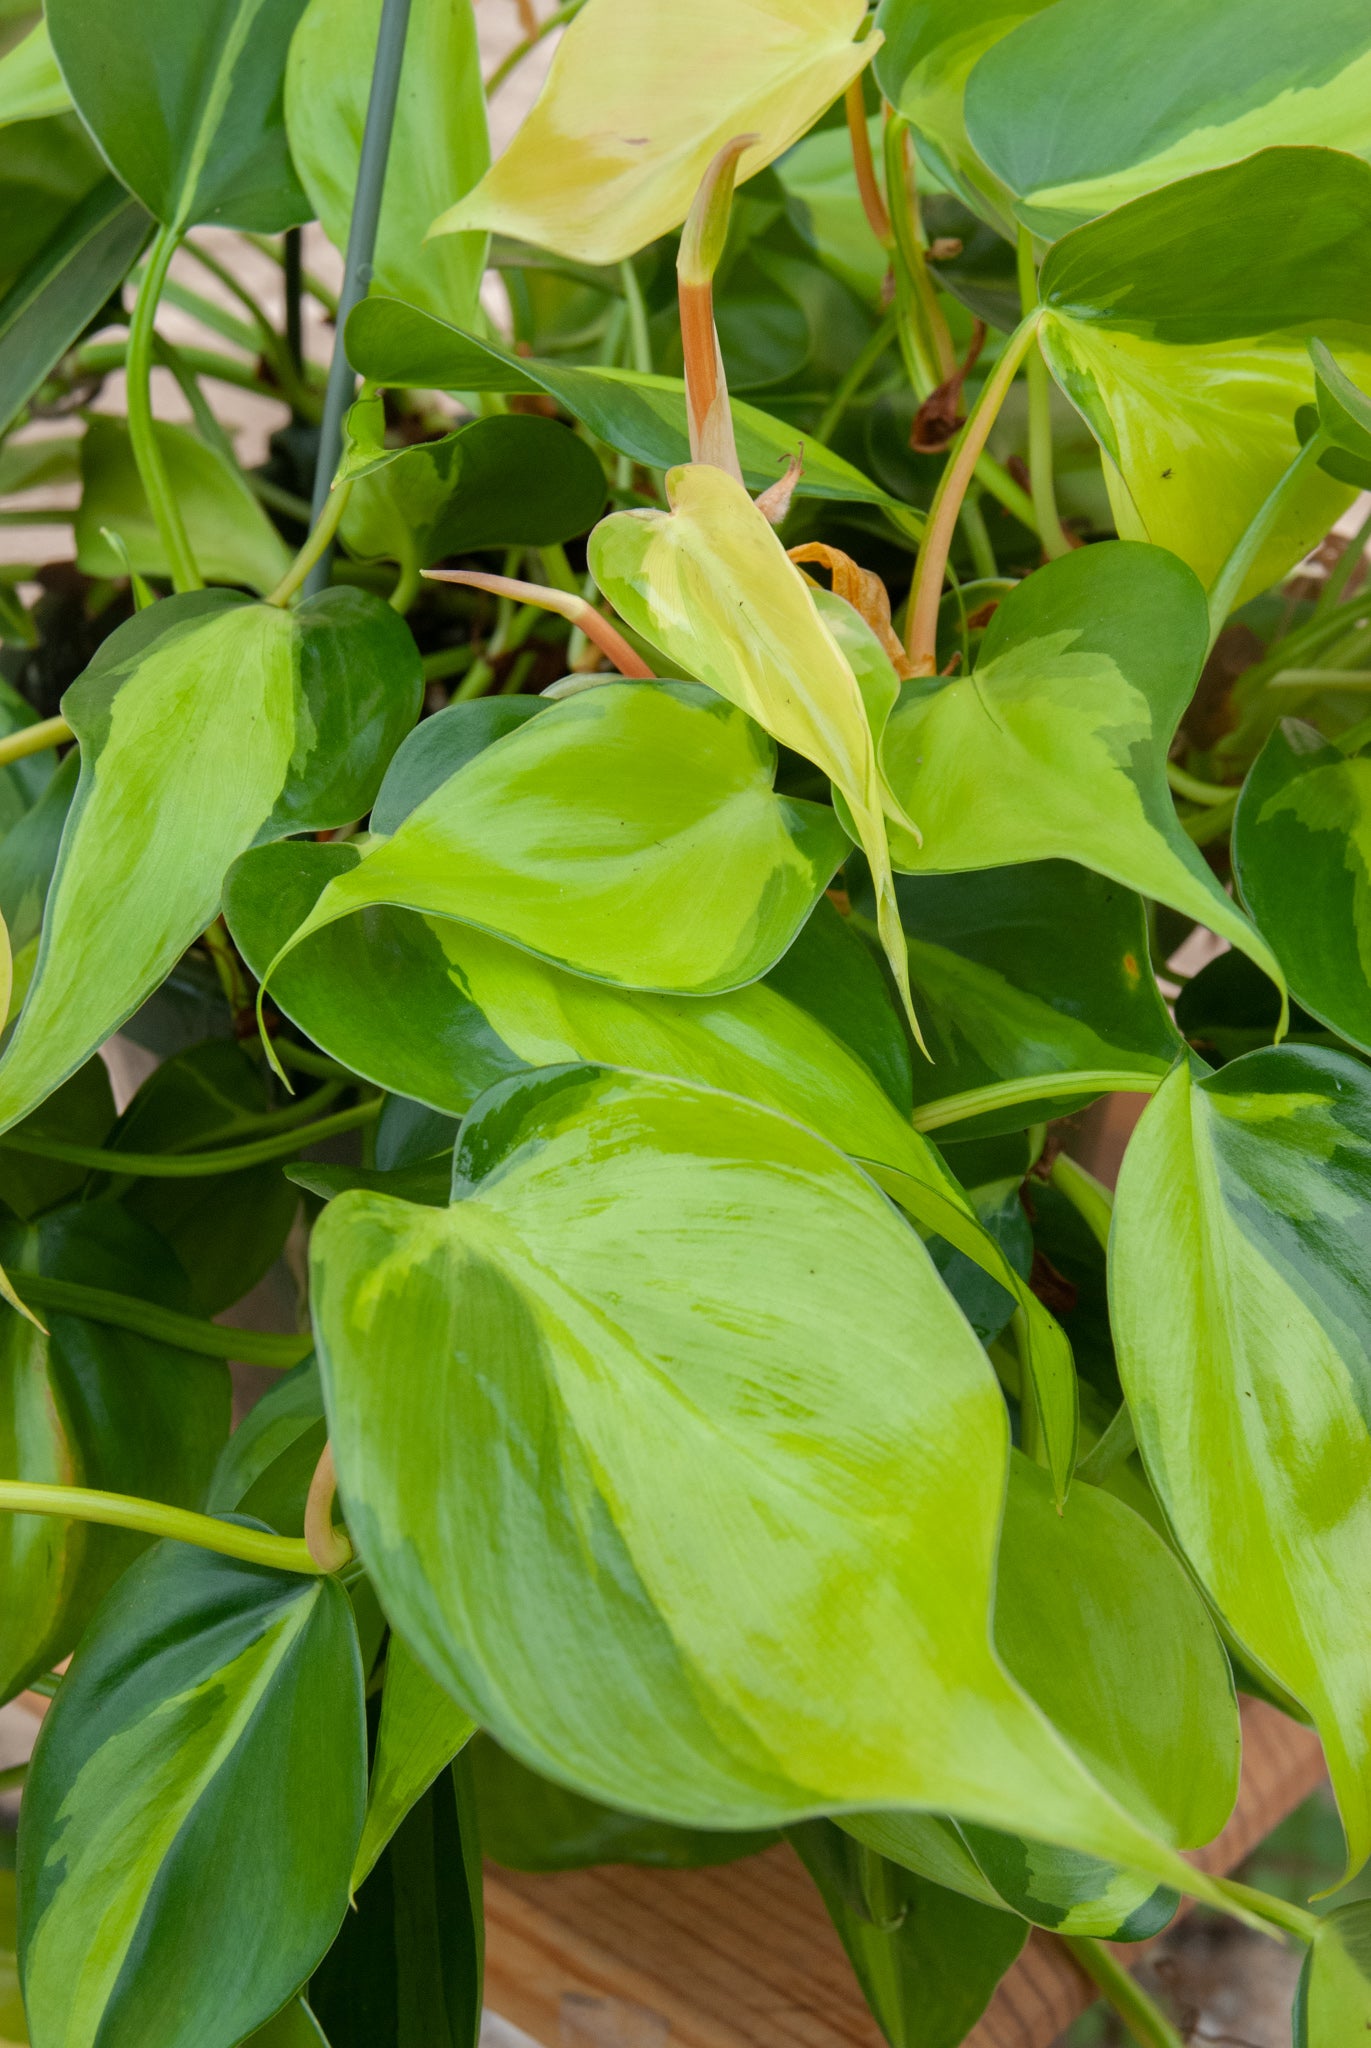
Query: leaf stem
[1231,577]
[521,50]
[955,1109]
[1145,2021]
[361,251]
[1197,791]
[162,1325]
[1040,477]
[862,365]
[330,1547]
[192,1165]
[640,340]
[155,1518]
[34,739]
[931,567]
[316,545]
[1294,1920]
[1340,575]
[864,164]
[925,343]
[147,453]
[1090,1198]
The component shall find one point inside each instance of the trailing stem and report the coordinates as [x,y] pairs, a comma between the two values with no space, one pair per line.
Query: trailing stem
[1040,477]
[1145,2021]
[568,604]
[155,1518]
[921,636]
[925,341]
[955,1109]
[147,453]
[34,739]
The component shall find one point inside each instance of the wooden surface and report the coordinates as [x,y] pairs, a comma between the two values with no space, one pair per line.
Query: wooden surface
[745,1956]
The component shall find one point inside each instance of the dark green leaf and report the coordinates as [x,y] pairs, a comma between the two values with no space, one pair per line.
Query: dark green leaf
[927,1959]
[92,1405]
[532,1823]
[642,416]
[1026,970]
[187,104]
[266,1466]
[81,1112]
[226,1229]
[61,290]
[406,1967]
[193,1807]
[48,168]
[1302,855]
[516,480]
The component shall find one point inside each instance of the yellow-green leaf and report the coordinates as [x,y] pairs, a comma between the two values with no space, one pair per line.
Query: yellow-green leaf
[639,101]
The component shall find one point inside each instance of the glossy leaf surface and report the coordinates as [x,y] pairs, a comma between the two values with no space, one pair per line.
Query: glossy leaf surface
[1302,854]
[1142,98]
[640,415]
[214,1707]
[927,1959]
[422,1729]
[64,286]
[186,104]
[710,584]
[438,146]
[1189,372]
[232,538]
[406,1966]
[170,792]
[634,111]
[1246,1373]
[514,480]
[653,1256]
[1056,747]
[571,834]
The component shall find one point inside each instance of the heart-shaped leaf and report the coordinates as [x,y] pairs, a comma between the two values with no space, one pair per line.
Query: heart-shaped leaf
[206,724]
[635,108]
[515,480]
[186,104]
[641,415]
[709,583]
[651,809]
[438,145]
[234,541]
[211,1722]
[1239,1280]
[1055,747]
[1142,98]
[702,1308]
[1302,854]
[1178,328]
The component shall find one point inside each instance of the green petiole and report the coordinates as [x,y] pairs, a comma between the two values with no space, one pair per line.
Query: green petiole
[956,1109]
[193,1165]
[163,1325]
[155,1518]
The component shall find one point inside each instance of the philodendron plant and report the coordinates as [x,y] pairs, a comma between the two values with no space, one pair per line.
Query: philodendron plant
[689,776]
